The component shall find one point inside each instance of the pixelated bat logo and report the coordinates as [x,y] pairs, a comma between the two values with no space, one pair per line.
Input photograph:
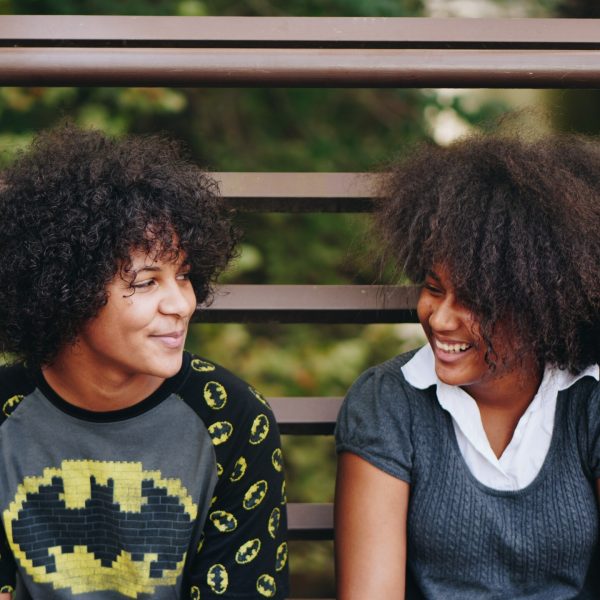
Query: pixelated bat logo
[220,432]
[259,430]
[247,552]
[223,521]
[265,586]
[281,556]
[92,526]
[217,579]
[202,366]
[194,593]
[9,406]
[239,469]
[215,395]
[255,494]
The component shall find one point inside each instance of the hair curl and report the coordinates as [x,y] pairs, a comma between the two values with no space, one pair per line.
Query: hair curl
[73,207]
[517,224]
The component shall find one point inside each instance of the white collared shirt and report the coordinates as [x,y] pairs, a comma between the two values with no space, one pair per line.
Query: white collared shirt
[522,459]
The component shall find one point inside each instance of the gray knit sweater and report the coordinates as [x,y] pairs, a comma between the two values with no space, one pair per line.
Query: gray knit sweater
[468,541]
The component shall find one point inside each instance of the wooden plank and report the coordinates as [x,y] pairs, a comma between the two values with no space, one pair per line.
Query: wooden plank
[299,192]
[310,521]
[306,415]
[299,67]
[311,304]
[64,29]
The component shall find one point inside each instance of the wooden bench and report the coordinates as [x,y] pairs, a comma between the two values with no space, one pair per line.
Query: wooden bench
[326,52]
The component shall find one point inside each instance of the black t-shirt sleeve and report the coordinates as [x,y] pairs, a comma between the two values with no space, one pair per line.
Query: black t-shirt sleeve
[243,551]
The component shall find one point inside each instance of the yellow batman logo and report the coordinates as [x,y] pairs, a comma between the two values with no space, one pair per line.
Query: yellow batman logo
[215,395]
[217,579]
[255,494]
[11,404]
[6,589]
[144,546]
[259,430]
[283,494]
[223,521]
[202,366]
[220,432]
[239,469]
[281,557]
[194,593]
[247,552]
[219,469]
[277,460]
[265,586]
[259,396]
[274,520]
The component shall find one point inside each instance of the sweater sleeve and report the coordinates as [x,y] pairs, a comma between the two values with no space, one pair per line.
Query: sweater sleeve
[375,423]
[593,417]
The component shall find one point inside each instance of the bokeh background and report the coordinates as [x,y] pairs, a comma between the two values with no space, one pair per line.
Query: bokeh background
[299,130]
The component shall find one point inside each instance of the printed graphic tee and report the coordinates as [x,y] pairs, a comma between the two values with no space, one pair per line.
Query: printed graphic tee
[179,496]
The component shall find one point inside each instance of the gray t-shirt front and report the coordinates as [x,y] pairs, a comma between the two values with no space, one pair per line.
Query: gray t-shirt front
[178,496]
[465,540]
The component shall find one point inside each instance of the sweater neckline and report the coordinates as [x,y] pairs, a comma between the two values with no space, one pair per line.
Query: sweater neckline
[168,387]
[546,465]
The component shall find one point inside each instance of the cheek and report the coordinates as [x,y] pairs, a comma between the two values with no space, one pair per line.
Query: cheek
[423,312]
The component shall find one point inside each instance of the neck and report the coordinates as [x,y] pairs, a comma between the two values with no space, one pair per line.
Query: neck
[100,389]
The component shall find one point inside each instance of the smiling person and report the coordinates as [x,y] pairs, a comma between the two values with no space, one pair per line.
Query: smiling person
[469,469]
[128,467]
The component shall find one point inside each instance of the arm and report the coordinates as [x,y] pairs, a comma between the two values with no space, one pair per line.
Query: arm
[370,531]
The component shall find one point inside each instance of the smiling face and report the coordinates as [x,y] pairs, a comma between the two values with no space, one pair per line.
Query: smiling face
[454,335]
[142,328]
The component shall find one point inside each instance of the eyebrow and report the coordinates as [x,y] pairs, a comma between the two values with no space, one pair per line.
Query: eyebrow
[433,275]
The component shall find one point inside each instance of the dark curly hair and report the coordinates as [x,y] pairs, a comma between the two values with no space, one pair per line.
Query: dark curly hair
[517,224]
[73,207]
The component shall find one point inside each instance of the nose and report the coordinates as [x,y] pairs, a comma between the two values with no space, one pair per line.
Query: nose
[178,299]
[445,315]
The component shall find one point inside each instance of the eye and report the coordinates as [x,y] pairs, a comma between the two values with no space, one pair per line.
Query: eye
[143,285]
[432,288]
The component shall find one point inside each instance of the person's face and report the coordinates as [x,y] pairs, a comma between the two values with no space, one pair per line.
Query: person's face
[142,328]
[454,334]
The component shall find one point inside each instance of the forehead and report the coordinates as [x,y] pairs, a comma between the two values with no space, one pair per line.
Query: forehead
[140,258]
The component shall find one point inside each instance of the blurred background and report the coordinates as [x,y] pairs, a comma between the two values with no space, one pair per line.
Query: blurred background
[299,130]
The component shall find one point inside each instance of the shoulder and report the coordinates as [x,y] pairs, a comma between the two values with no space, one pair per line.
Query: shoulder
[383,384]
[15,383]
[210,388]
[232,410]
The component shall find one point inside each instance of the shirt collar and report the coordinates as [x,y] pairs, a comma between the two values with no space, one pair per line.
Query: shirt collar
[419,371]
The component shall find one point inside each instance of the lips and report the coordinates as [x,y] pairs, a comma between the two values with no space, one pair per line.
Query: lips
[172,339]
[450,351]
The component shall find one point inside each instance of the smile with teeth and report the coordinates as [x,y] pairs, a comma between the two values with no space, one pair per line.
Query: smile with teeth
[461,347]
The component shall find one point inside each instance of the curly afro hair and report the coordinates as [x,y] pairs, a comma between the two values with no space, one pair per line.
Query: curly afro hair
[74,206]
[516,223]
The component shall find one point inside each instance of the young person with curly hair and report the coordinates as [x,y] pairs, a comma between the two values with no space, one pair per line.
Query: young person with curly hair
[470,468]
[129,468]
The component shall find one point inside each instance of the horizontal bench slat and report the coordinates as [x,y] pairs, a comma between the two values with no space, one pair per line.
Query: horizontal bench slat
[312,304]
[299,67]
[299,192]
[306,415]
[442,32]
[310,521]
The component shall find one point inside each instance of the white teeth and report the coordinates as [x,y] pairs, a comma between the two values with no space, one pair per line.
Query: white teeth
[452,347]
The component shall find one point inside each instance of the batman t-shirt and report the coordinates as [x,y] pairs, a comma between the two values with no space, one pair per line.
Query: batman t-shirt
[178,496]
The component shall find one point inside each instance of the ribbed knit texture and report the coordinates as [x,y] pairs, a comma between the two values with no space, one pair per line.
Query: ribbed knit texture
[466,540]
